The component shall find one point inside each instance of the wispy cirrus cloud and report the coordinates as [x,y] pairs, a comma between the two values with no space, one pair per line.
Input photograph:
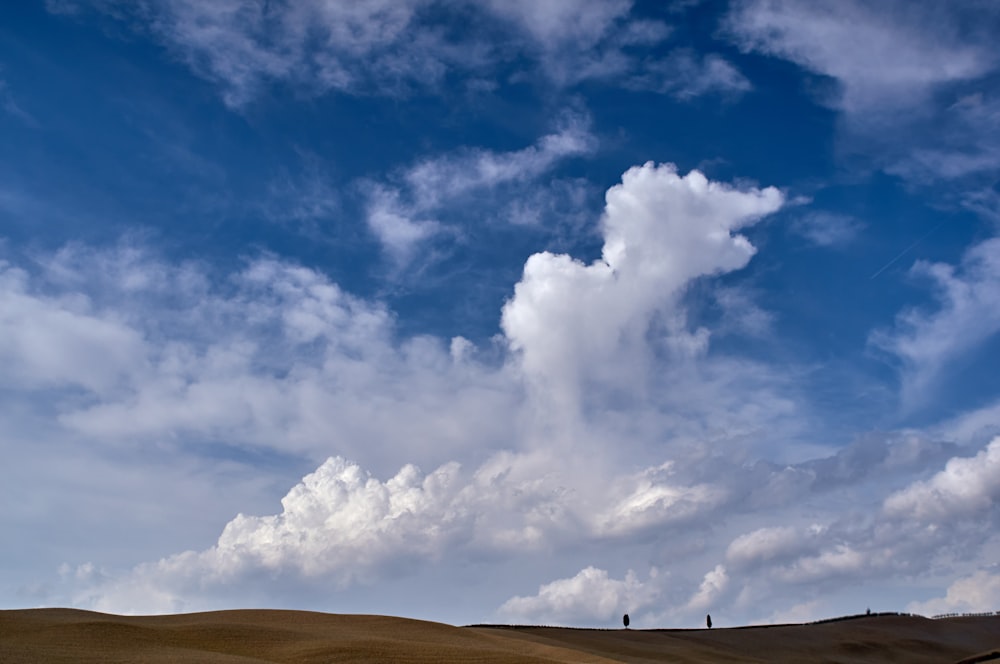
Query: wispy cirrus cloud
[915,84]
[9,104]
[245,46]
[917,96]
[827,229]
[884,56]
[927,341]
[686,75]
[403,212]
[397,48]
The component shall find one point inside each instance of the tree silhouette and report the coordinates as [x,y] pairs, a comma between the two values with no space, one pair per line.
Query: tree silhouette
[708,620]
[625,620]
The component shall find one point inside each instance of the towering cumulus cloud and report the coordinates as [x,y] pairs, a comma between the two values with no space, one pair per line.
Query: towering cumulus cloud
[571,322]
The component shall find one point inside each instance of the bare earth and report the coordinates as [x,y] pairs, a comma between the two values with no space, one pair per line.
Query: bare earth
[224,637]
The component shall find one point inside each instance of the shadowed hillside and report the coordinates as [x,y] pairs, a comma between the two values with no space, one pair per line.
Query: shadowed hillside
[67,635]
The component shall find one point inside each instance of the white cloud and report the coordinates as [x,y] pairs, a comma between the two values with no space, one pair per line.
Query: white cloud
[341,523]
[949,164]
[339,519]
[764,545]
[51,341]
[278,357]
[884,55]
[968,486]
[592,596]
[713,585]
[561,205]
[305,197]
[914,80]
[827,229]
[433,181]
[322,45]
[401,215]
[838,562]
[985,202]
[9,104]
[969,314]
[570,322]
[800,613]
[143,353]
[741,314]
[405,45]
[914,531]
[782,556]
[579,40]
[655,498]
[399,234]
[962,149]
[552,23]
[976,593]
[685,74]
[975,426]
[341,526]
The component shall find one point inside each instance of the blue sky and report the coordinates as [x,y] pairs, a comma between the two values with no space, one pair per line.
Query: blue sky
[521,311]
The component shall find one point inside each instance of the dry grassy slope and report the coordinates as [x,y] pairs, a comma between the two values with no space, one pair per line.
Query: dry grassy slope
[66,635]
[876,639]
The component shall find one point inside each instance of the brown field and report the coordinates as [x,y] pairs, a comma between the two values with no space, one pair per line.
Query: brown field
[231,637]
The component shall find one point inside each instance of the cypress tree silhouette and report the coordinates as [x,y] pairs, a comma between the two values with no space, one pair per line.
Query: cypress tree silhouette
[625,620]
[708,620]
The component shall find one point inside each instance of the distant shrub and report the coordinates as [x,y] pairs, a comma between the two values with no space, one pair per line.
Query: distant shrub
[856,616]
[984,614]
